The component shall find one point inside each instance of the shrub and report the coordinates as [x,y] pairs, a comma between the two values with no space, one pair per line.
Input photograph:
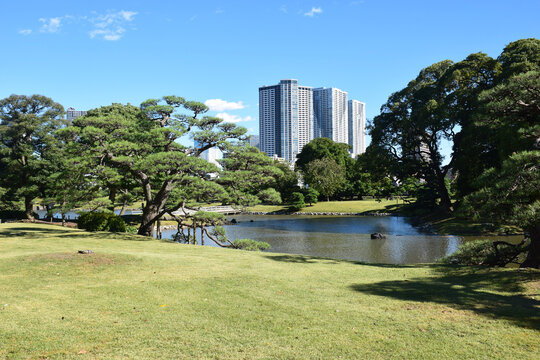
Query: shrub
[485,252]
[270,196]
[251,245]
[101,221]
[116,224]
[297,201]
[14,215]
[311,196]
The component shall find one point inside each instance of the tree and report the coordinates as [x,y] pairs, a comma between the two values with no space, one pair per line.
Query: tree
[311,196]
[297,201]
[321,148]
[27,124]
[248,174]
[324,175]
[142,143]
[511,195]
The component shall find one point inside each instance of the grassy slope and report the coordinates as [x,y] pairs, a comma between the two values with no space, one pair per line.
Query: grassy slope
[150,299]
[353,206]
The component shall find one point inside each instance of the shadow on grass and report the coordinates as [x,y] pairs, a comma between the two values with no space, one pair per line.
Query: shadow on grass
[37,233]
[495,294]
[303,259]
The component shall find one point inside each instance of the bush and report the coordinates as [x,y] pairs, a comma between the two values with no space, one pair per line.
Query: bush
[311,196]
[297,201]
[251,245]
[270,196]
[116,224]
[485,252]
[101,221]
[14,215]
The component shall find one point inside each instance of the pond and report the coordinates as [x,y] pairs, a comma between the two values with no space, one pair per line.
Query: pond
[343,237]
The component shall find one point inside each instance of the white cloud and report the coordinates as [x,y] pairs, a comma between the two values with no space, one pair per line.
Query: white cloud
[233,118]
[283,9]
[222,105]
[51,25]
[111,26]
[313,11]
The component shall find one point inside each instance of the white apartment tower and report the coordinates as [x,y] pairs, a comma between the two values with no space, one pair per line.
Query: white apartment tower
[285,118]
[357,125]
[330,114]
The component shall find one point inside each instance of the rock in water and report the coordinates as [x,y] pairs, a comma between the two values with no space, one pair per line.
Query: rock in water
[378,236]
[85,252]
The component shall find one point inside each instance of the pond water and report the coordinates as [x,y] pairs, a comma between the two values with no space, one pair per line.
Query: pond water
[342,237]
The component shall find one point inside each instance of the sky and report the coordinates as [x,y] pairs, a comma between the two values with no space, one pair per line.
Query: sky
[87,54]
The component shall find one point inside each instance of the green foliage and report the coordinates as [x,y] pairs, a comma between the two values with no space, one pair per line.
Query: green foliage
[297,201]
[311,196]
[485,252]
[325,175]
[116,224]
[27,124]
[14,214]
[101,221]
[270,196]
[249,176]
[510,195]
[140,144]
[321,148]
[251,245]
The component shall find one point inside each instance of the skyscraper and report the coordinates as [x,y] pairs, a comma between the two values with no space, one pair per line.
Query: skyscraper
[291,115]
[357,124]
[330,114]
[285,118]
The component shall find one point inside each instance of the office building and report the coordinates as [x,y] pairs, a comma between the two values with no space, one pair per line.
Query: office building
[357,125]
[71,113]
[285,118]
[330,114]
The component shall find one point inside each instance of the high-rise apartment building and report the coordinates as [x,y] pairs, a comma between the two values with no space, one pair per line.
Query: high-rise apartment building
[285,118]
[330,114]
[73,114]
[291,115]
[357,125]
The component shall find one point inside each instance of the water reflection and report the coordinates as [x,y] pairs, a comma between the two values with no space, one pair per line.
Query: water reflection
[343,237]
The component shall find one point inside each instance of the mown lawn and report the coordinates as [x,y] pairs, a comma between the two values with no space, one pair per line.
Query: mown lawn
[150,299]
[352,206]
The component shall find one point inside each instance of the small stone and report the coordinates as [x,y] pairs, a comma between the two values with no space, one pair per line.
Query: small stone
[85,252]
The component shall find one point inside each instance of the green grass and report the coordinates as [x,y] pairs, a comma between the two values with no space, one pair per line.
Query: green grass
[352,206]
[152,299]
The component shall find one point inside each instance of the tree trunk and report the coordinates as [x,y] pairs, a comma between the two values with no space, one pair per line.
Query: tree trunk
[112,198]
[29,207]
[533,256]
[446,203]
[63,218]
[123,209]
[148,220]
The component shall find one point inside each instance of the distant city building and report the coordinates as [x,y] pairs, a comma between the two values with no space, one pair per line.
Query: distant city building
[291,115]
[285,118]
[73,114]
[357,126]
[330,114]
[211,155]
[254,140]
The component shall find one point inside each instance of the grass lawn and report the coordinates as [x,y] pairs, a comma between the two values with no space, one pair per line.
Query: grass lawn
[138,298]
[352,206]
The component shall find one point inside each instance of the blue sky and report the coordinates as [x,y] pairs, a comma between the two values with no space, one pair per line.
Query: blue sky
[87,54]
